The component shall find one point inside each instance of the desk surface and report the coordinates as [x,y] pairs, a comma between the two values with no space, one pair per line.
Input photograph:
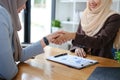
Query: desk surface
[42,69]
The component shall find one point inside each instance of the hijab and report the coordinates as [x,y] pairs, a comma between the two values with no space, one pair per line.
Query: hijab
[99,14]
[11,6]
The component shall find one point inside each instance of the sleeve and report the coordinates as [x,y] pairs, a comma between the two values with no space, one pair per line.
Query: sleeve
[80,31]
[31,51]
[74,47]
[8,68]
[112,26]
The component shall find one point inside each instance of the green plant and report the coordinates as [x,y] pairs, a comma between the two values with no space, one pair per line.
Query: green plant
[117,56]
[56,23]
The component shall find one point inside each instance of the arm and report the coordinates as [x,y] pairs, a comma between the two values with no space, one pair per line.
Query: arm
[31,51]
[79,49]
[36,48]
[80,31]
[112,25]
[8,68]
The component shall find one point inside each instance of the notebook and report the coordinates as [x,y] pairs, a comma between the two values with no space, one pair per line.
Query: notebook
[105,73]
[72,61]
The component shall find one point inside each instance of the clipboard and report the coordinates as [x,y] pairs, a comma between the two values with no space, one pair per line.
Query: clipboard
[72,61]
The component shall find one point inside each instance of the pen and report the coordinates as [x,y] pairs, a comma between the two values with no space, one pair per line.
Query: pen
[60,55]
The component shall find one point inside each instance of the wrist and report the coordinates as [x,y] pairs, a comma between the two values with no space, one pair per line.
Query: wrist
[42,43]
[72,35]
[46,41]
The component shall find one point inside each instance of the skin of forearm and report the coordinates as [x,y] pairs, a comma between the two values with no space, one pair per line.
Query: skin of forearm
[72,35]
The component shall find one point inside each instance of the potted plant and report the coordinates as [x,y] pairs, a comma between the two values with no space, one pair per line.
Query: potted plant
[117,56]
[56,24]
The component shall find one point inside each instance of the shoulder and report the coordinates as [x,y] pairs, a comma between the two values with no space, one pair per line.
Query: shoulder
[4,15]
[114,17]
[3,11]
[5,19]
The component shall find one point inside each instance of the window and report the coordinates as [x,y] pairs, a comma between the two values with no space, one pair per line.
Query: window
[40,24]
[40,19]
[21,32]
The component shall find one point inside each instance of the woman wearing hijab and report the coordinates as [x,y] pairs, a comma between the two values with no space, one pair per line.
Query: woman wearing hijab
[98,31]
[10,49]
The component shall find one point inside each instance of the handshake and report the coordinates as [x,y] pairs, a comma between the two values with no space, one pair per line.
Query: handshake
[60,37]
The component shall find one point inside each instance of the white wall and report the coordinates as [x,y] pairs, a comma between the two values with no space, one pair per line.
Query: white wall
[63,11]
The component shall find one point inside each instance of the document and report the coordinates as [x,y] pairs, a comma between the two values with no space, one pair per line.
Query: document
[72,61]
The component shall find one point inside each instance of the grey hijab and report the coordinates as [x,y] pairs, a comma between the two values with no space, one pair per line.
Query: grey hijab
[12,6]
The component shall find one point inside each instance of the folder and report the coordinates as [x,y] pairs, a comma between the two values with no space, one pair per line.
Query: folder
[105,73]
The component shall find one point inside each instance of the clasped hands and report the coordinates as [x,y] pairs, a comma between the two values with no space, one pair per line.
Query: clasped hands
[60,37]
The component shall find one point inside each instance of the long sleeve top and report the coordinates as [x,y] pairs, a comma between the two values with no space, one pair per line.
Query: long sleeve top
[100,44]
[8,67]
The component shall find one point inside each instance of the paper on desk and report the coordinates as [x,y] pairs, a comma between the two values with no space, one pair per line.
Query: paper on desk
[73,61]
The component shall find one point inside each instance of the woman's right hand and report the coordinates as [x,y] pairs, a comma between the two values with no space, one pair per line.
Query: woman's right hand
[80,52]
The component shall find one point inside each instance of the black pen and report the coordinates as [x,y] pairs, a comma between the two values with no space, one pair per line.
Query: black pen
[60,55]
